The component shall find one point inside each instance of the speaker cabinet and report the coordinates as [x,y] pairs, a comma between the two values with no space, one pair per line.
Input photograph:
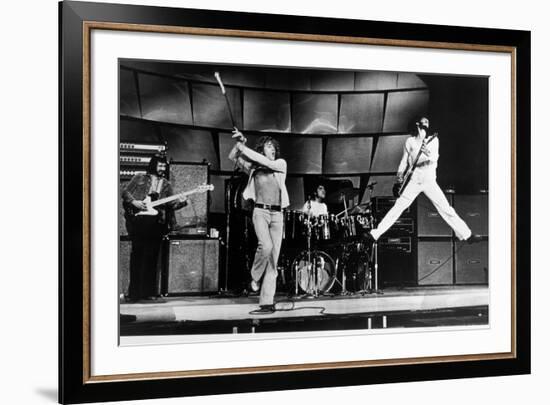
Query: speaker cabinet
[435,262]
[396,265]
[473,209]
[121,220]
[124,249]
[472,263]
[193,266]
[193,218]
[430,222]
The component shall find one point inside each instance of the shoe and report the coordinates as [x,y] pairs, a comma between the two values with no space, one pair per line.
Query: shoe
[254,286]
[264,310]
[474,239]
[370,238]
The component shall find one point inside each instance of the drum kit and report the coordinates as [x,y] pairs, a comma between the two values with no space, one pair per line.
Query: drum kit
[352,267]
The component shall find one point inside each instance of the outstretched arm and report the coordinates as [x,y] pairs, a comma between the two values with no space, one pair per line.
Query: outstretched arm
[235,156]
[278,165]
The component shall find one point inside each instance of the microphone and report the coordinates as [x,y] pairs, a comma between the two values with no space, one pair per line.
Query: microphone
[371,185]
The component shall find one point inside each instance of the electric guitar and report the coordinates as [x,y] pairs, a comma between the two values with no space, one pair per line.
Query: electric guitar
[399,187]
[150,204]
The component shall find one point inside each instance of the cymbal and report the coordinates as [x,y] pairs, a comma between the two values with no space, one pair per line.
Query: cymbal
[361,208]
[348,192]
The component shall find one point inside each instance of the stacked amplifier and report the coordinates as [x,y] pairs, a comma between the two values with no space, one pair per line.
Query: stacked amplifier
[397,247]
[189,258]
[421,249]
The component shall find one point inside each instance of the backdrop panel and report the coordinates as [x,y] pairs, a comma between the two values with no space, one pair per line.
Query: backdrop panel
[134,131]
[325,80]
[164,99]
[409,81]
[314,113]
[190,145]
[403,108]
[388,153]
[350,155]
[375,81]
[361,113]
[210,108]
[295,187]
[267,110]
[303,155]
[128,94]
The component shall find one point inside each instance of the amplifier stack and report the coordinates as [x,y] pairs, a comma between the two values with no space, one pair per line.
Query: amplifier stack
[397,247]
[442,259]
[421,249]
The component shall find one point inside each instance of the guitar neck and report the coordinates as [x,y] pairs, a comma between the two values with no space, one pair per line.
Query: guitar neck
[173,197]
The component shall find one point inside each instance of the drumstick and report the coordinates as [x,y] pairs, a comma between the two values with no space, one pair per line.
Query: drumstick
[222,87]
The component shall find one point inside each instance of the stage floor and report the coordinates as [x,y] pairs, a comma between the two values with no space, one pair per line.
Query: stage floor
[419,306]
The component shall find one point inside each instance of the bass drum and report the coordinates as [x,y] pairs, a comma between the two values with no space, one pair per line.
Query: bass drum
[316,275]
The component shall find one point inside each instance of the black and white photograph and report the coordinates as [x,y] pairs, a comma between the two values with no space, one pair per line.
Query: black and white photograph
[273,202]
[267,200]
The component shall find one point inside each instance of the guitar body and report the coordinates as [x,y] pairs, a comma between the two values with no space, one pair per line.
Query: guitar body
[150,211]
[152,201]
[399,187]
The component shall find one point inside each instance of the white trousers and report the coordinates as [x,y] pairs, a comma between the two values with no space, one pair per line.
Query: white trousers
[431,189]
[269,230]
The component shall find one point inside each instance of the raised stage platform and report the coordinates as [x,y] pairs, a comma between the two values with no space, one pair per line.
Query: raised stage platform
[407,307]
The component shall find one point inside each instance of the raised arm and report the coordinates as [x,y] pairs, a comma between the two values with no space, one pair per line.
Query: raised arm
[243,164]
[278,165]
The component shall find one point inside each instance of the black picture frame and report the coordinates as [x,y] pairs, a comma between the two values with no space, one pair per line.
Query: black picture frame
[75,382]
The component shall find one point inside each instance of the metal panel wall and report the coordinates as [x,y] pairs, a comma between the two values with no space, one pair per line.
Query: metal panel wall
[403,108]
[314,113]
[361,113]
[165,100]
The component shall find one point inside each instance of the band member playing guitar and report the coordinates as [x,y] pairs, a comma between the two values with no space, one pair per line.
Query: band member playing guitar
[420,155]
[146,231]
[266,187]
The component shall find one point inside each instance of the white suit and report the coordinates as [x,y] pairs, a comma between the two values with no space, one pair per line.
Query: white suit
[422,181]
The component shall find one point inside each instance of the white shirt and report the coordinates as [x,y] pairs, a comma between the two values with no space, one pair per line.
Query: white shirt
[278,166]
[316,209]
[426,166]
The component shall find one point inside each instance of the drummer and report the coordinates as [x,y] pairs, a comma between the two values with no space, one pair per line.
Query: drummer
[315,206]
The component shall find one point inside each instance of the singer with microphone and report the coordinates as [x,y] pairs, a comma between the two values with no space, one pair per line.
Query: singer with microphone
[266,187]
[420,156]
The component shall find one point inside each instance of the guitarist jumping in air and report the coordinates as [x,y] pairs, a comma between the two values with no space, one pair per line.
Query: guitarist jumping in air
[146,231]
[420,156]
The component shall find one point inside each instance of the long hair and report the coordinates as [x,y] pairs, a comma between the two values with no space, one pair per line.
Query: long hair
[413,124]
[152,167]
[266,139]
